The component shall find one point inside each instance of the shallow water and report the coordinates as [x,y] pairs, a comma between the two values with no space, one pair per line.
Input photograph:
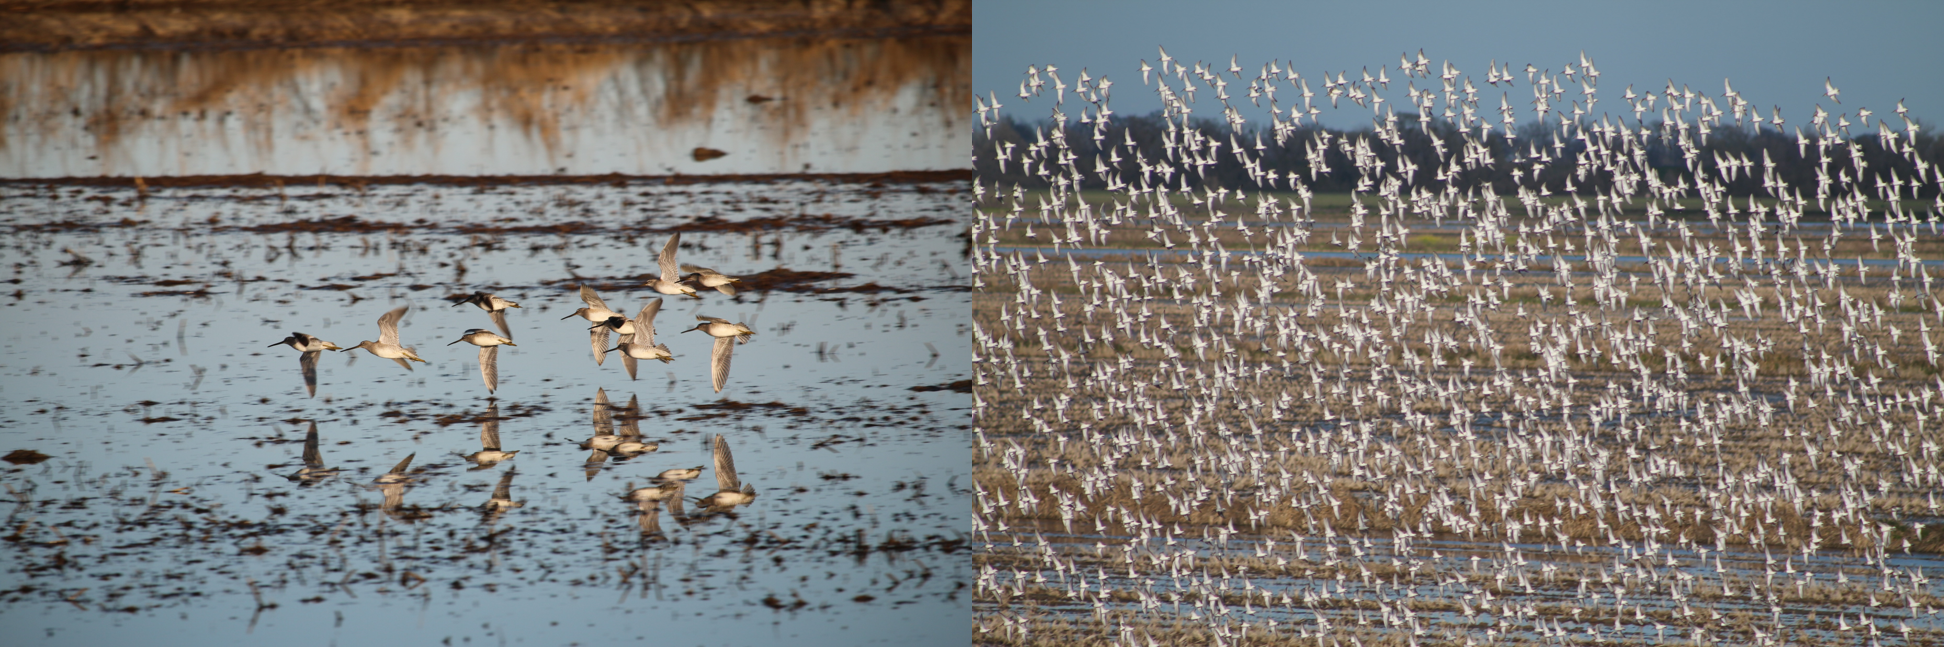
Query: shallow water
[172,427]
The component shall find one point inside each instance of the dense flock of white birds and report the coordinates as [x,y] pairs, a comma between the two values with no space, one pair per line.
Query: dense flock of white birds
[1648,412]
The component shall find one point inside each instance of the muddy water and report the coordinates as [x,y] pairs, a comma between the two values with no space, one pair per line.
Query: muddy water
[170,501]
[767,105]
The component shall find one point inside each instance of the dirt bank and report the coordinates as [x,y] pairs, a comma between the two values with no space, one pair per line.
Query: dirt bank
[52,25]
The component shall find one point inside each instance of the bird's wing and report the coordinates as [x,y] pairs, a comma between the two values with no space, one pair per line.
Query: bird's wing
[725,466]
[711,319]
[696,269]
[598,338]
[593,300]
[388,325]
[719,361]
[628,361]
[499,319]
[727,288]
[489,367]
[670,272]
[308,362]
[644,322]
[401,362]
[312,457]
[404,464]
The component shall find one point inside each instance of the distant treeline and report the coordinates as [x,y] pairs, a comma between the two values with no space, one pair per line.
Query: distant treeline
[1509,165]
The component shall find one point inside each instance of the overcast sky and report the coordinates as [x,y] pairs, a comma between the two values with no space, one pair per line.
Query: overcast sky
[1775,53]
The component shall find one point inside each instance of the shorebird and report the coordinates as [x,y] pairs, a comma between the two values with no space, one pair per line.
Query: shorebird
[709,278]
[489,453]
[310,347]
[670,282]
[638,340]
[494,306]
[488,344]
[314,469]
[731,492]
[726,336]
[596,312]
[387,345]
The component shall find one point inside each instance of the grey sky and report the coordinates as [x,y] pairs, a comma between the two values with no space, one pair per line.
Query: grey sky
[1775,53]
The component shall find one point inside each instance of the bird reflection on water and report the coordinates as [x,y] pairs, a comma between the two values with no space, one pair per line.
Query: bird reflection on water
[314,470]
[490,452]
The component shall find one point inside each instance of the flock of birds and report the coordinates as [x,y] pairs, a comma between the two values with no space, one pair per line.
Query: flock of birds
[1644,411]
[636,342]
[637,335]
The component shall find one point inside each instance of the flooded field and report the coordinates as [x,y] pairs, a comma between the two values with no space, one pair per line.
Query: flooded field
[159,479]
[1555,390]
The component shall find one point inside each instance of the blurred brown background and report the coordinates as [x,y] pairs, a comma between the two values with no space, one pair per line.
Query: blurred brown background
[49,25]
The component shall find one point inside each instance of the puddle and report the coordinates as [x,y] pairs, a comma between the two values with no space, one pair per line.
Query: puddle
[173,494]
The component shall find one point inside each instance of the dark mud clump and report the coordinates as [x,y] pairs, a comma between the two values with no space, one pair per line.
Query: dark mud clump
[24,457]
[341,224]
[961,386]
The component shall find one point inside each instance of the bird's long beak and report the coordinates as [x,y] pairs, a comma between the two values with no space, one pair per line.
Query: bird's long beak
[455,341]
[275,344]
[576,312]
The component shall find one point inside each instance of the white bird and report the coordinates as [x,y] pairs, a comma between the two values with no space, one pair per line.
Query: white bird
[488,344]
[639,341]
[670,282]
[709,278]
[494,306]
[596,312]
[387,345]
[311,347]
[726,335]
